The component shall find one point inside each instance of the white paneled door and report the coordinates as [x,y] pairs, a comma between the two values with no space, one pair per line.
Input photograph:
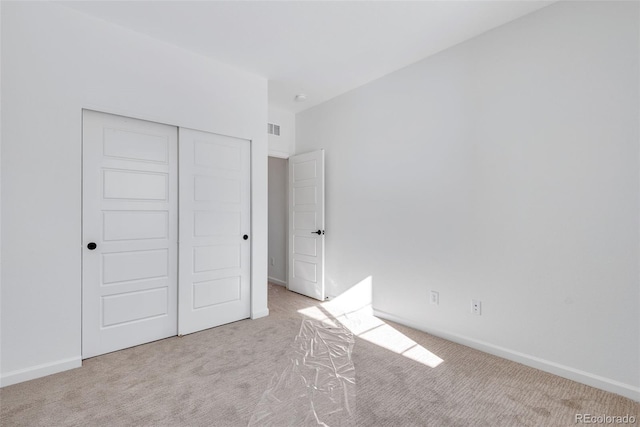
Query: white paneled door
[134,190]
[215,238]
[306,224]
[130,232]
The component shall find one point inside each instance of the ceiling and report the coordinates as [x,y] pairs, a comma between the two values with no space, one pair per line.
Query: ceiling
[319,48]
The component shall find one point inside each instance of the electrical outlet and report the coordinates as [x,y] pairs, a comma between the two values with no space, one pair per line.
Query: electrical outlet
[476,307]
[273,261]
[434,298]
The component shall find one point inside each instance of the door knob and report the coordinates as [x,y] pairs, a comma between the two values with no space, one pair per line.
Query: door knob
[91,246]
[319,232]
[245,237]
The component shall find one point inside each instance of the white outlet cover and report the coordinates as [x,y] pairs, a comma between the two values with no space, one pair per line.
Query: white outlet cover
[434,297]
[476,307]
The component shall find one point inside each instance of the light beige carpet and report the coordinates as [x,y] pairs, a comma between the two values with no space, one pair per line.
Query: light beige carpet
[217,378]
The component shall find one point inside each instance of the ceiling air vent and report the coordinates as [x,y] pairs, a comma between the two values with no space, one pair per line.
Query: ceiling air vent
[274,129]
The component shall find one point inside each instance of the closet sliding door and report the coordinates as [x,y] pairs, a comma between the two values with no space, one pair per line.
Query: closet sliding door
[129,232]
[166,239]
[215,239]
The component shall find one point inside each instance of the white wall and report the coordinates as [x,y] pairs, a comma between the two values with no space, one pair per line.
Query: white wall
[56,61]
[504,169]
[278,172]
[282,146]
[0,188]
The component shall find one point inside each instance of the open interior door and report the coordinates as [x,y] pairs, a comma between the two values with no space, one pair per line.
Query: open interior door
[306,224]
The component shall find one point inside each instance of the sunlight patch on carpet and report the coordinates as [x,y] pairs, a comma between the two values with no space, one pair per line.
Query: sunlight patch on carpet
[353,310]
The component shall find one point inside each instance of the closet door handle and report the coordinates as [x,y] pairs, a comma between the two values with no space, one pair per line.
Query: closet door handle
[245,237]
[91,246]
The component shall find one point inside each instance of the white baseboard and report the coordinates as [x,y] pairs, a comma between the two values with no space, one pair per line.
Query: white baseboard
[626,390]
[260,313]
[277,281]
[21,375]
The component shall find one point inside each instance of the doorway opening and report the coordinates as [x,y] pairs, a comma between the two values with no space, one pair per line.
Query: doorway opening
[278,220]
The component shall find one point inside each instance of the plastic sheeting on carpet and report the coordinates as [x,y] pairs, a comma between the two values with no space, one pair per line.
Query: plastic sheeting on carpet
[318,387]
